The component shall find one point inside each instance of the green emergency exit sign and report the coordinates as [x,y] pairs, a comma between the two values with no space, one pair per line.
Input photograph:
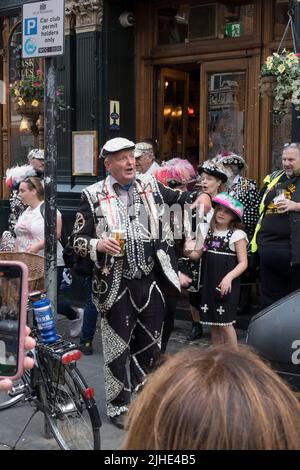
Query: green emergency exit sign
[233,30]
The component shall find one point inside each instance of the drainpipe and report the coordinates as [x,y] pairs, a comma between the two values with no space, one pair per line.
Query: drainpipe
[295,137]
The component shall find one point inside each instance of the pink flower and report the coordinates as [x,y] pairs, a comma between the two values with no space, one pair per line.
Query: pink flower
[58,92]
[39,72]
[36,84]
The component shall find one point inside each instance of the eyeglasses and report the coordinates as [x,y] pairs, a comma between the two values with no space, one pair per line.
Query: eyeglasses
[292,145]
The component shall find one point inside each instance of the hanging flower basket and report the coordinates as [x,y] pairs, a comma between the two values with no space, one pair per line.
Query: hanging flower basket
[28,95]
[28,110]
[268,86]
[280,79]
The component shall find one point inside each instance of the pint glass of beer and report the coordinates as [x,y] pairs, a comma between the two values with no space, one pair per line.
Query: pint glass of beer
[280,196]
[120,235]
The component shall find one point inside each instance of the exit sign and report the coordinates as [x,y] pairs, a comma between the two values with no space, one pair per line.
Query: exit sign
[233,30]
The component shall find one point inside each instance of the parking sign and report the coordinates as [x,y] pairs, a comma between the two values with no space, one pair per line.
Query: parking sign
[43,29]
[30,26]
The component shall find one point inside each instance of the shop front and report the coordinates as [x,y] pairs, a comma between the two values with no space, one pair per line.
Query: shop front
[98,54]
[198,67]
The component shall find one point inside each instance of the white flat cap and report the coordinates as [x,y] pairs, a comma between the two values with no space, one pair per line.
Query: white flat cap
[143,148]
[39,154]
[116,145]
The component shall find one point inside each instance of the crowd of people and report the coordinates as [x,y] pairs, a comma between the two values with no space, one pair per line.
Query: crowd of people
[150,231]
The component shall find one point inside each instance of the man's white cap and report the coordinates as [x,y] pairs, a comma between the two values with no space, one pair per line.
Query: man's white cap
[116,145]
[39,154]
[143,148]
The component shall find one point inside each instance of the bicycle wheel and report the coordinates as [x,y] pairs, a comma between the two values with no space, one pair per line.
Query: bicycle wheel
[72,417]
[14,396]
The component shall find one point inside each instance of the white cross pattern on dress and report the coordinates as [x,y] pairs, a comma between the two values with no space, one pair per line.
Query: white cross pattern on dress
[221,310]
[205,308]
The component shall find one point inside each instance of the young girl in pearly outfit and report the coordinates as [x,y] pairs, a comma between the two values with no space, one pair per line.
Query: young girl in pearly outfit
[224,253]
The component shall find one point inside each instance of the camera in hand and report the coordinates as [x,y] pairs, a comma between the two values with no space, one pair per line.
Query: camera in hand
[12,317]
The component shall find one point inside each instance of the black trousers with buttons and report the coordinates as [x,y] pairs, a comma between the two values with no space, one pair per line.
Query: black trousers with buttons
[131,337]
[278,278]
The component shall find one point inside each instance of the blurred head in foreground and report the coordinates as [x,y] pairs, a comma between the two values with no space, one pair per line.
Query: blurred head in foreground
[214,399]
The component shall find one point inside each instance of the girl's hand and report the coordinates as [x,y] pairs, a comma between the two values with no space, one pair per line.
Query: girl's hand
[225,285]
[189,246]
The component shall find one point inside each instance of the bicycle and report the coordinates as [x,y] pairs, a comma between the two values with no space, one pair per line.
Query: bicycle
[56,388]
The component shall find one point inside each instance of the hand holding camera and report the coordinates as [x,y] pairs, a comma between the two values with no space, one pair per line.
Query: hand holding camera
[29,343]
[14,335]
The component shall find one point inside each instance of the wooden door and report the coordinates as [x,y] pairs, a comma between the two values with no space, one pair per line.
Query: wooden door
[229,110]
[172,112]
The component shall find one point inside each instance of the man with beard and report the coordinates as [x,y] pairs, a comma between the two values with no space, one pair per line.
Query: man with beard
[277,234]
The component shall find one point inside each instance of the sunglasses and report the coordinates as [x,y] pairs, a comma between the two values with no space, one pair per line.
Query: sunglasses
[292,145]
[174,184]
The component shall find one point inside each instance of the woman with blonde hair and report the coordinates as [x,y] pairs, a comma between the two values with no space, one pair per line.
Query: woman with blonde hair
[30,238]
[214,399]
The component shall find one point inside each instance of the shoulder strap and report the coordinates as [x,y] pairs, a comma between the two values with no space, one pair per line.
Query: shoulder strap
[42,209]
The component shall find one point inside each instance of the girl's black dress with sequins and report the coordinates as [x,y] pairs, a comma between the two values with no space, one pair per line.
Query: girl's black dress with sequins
[217,261]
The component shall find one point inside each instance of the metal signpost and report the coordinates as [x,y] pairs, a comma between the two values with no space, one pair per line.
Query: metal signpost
[295,137]
[43,36]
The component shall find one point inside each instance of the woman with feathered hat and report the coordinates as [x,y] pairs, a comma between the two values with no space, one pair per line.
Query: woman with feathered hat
[14,176]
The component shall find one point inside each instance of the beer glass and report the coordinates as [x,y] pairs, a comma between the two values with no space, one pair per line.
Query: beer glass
[119,234]
[280,196]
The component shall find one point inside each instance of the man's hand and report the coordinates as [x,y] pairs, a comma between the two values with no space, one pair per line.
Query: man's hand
[29,343]
[109,245]
[204,202]
[286,205]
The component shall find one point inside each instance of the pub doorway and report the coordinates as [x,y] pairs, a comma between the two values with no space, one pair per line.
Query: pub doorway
[178,113]
[202,110]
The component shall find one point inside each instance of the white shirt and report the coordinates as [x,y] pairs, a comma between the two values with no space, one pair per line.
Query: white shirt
[235,237]
[29,230]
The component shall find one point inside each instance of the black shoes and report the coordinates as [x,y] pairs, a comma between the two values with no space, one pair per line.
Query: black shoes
[118,420]
[86,348]
[196,333]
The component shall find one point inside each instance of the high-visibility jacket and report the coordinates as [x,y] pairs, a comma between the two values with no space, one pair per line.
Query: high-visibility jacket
[270,180]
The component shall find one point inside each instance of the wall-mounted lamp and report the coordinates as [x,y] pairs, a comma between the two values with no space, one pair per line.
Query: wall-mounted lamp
[25,125]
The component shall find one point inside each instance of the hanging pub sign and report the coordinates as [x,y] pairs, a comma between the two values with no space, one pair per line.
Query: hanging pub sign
[114,115]
[43,29]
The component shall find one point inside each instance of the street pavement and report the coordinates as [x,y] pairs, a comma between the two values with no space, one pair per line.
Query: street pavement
[14,420]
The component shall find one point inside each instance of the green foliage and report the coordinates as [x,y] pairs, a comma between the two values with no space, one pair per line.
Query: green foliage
[286,68]
[30,90]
